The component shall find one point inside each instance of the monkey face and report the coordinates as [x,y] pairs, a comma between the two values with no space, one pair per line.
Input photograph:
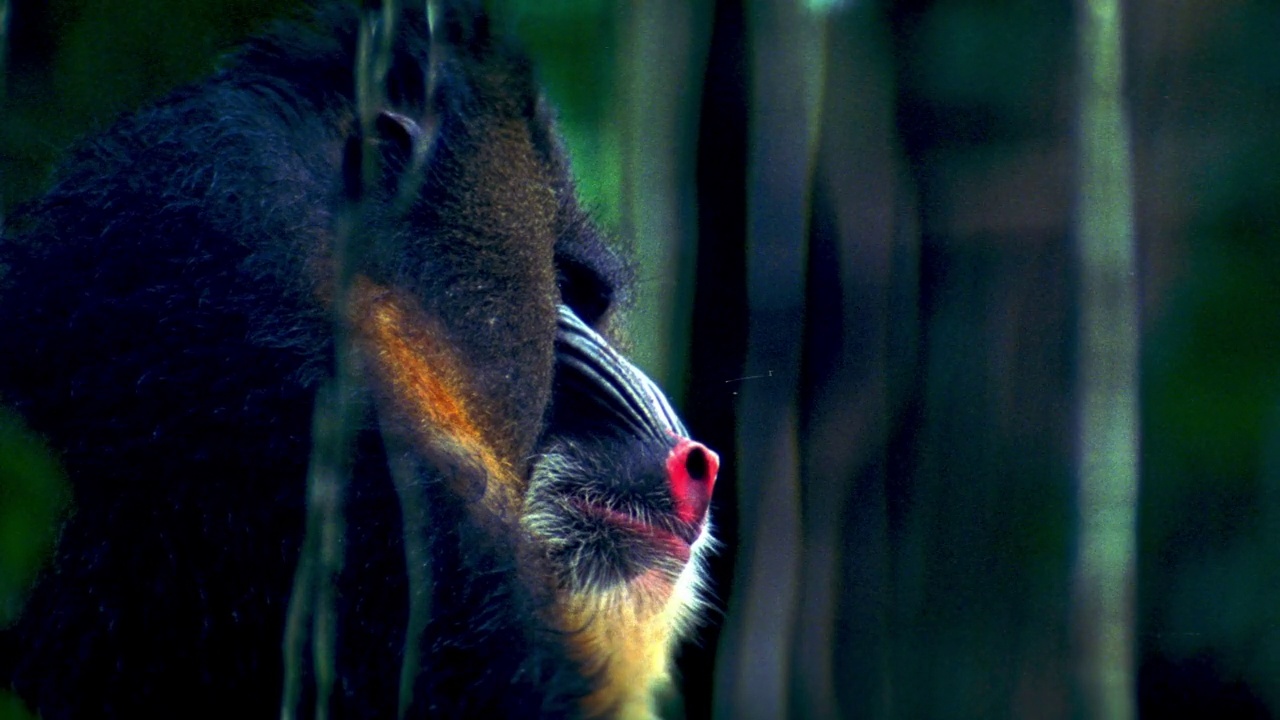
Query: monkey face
[618,490]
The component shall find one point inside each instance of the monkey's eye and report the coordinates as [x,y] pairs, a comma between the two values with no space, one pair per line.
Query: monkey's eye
[591,277]
[585,290]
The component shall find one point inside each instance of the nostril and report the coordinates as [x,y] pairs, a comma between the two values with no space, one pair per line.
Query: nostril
[700,464]
[696,463]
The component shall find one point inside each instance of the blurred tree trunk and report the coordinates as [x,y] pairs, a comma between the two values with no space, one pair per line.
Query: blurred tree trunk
[859,353]
[980,492]
[4,88]
[718,338]
[662,56]
[1106,382]
[785,68]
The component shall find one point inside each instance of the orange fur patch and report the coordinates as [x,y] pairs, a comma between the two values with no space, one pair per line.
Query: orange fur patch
[623,637]
[428,384]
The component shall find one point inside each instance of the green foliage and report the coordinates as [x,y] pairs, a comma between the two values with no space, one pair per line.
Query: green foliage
[572,43]
[11,708]
[1211,509]
[1215,365]
[108,57]
[33,493]
[975,52]
[104,58]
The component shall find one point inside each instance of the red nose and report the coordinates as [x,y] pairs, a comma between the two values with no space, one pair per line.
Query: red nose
[692,469]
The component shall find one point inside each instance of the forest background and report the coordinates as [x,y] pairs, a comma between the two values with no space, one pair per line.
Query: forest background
[978,299]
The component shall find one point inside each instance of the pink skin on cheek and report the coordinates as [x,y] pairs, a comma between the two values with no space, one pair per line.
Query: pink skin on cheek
[676,547]
[691,475]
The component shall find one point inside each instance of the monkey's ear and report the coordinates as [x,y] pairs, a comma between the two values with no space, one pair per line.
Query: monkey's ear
[399,136]
[397,140]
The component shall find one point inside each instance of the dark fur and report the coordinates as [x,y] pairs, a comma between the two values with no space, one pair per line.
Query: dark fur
[165,327]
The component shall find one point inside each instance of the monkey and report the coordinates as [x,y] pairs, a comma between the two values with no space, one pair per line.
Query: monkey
[620,496]
[168,309]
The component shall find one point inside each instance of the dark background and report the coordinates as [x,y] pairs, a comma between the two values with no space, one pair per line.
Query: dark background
[862,230]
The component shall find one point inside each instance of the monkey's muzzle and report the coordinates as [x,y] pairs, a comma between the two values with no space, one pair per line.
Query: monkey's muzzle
[621,488]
